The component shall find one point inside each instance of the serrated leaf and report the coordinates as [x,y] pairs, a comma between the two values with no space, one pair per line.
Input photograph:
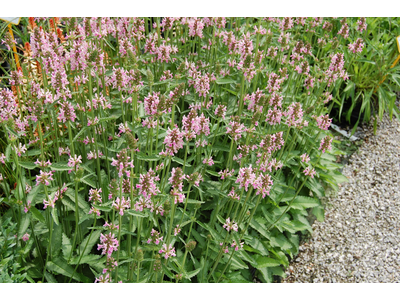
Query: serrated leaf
[224,81]
[102,208]
[81,202]
[60,167]
[27,165]
[60,266]
[263,262]
[32,152]
[37,214]
[153,157]
[66,246]
[193,273]
[319,213]
[301,202]
[94,238]
[24,224]
[87,259]
[180,161]
[56,240]
[89,182]
[135,213]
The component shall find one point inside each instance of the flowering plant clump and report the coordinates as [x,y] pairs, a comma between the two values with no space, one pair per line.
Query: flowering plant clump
[170,149]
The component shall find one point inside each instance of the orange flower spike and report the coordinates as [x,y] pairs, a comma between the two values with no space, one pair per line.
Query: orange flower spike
[60,35]
[52,25]
[32,23]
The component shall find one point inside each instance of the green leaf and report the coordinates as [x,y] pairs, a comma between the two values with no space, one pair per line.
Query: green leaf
[135,213]
[24,224]
[89,182]
[191,274]
[81,202]
[54,215]
[266,274]
[60,266]
[86,259]
[102,208]
[56,240]
[80,133]
[224,81]
[180,161]
[60,167]
[304,202]
[263,262]
[37,214]
[280,241]
[32,152]
[153,157]
[198,238]
[27,165]
[66,246]
[319,212]
[91,240]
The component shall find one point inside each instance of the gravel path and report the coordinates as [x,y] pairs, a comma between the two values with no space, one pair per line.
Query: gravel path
[360,238]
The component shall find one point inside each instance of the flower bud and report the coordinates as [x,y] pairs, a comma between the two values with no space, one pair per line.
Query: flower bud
[132,142]
[139,255]
[150,77]
[190,246]
[157,264]
[79,174]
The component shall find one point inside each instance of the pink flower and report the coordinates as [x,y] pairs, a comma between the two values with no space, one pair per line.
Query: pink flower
[167,250]
[263,184]
[155,237]
[25,237]
[230,225]
[173,141]
[208,161]
[20,149]
[323,122]
[74,162]
[305,158]
[121,204]
[357,46]
[122,163]
[44,178]
[147,184]
[325,144]
[309,172]
[109,244]
[245,177]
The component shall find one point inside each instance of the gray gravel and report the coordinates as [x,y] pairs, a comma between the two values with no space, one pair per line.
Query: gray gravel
[359,241]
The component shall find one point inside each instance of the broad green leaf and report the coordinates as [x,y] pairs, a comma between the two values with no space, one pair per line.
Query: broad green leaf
[32,152]
[224,81]
[301,202]
[56,240]
[60,166]
[37,214]
[266,274]
[263,262]
[191,274]
[199,238]
[24,224]
[87,259]
[81,202]
[180,161]
[27,165]
[319,212]
[89,182]
[90,240]
[135,213]
[66,246]
[60,266]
